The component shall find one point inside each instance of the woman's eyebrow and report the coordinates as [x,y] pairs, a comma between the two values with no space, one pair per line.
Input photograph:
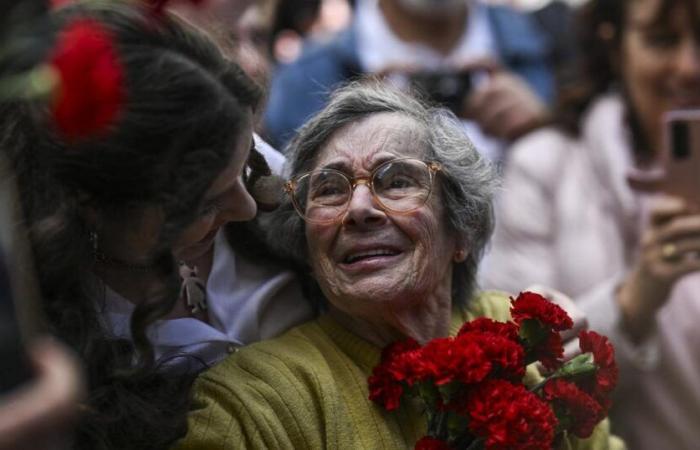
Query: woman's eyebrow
[343,166]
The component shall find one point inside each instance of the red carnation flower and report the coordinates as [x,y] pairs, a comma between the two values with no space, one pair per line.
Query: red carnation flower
[486,325]
[506,356]
[582,412]
[445,360]
[549,351]
[430,443]
[509,417]
[604,358]
[396,367]
[91,77]
[530,305]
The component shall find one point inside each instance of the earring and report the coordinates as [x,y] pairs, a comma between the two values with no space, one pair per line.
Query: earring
[459,256]
[93,240]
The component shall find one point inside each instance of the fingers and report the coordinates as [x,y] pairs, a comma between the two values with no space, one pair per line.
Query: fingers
[37,414]
[666,207]
[505,107]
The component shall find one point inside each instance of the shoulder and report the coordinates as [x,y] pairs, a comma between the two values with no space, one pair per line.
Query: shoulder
[541,155]
[276,362]
[254,398]
[492,304]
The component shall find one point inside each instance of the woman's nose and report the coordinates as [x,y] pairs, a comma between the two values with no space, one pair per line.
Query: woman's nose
[688,61]
[363,209]
[240,207]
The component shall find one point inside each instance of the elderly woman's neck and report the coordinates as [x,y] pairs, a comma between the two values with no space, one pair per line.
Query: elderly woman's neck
[419,323]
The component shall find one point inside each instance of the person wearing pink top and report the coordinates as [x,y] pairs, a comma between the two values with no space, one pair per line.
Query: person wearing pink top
[568,217]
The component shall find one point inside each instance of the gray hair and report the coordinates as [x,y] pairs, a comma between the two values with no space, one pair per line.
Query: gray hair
[467,179]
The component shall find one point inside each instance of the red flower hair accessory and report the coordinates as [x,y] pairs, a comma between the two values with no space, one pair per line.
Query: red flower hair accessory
[90,94]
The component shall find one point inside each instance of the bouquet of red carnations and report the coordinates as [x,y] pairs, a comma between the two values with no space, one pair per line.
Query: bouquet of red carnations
[472,385]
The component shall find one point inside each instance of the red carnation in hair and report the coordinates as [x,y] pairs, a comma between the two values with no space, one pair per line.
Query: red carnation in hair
[580,410]
[91,92]
[430,443]
[509,417]
[530,305]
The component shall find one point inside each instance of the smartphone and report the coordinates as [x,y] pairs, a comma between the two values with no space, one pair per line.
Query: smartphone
[446,88]
[19,305]
[680,157]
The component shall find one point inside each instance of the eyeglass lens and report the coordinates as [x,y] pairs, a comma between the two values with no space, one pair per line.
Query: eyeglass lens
[400,186]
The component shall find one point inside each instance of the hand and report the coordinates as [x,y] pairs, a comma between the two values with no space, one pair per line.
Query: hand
[38,416]
[670,249]
[505,107]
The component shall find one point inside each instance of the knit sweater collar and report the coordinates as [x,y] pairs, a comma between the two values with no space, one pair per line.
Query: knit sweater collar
[362,352]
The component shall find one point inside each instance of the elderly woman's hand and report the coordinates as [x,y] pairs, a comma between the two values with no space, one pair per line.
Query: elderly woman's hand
[670,249]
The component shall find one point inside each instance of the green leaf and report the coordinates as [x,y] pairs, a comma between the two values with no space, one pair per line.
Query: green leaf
[581,365]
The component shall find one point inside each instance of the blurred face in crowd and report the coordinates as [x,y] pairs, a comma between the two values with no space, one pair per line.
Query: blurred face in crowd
[660,61]
[371,261]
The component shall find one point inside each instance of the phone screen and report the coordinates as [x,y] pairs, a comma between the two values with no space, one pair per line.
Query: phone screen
[681,154]
[18,288]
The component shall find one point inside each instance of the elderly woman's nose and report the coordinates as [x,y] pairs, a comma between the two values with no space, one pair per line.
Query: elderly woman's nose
[363,208]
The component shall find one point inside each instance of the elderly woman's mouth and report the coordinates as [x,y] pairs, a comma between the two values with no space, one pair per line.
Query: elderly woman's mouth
[369,258]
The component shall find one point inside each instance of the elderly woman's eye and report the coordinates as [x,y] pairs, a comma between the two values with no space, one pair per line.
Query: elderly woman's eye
[328,191]
[399,182]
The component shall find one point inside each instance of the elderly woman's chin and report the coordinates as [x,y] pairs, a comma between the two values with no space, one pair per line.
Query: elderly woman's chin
[400,280]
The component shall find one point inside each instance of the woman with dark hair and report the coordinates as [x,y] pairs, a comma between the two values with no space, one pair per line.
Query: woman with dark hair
[135,270]
[569,218]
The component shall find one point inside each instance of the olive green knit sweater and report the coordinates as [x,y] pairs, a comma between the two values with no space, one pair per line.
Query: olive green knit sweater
[307,389]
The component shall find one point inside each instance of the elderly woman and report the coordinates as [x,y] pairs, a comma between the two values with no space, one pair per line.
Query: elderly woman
[393,210]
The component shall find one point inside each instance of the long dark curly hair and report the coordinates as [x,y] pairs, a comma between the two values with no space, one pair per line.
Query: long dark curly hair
[599,27]
[185,107]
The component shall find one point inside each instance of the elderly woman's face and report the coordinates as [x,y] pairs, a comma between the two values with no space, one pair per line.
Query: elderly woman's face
[371,260]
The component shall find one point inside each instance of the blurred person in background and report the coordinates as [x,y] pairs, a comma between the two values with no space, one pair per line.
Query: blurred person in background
[569,218]
[505,56]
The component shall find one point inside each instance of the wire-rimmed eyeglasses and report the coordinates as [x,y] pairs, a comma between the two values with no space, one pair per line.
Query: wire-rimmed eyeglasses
[399,186]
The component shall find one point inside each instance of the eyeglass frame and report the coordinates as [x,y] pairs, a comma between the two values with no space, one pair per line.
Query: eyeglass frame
[290,186]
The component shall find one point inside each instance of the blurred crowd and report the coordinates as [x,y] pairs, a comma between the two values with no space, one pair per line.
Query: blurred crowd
[567,101]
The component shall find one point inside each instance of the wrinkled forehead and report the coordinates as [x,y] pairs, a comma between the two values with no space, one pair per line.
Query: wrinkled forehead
[371,139]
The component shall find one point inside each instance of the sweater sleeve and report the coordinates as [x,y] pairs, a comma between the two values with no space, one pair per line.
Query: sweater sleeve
[522,246]
[257,399]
